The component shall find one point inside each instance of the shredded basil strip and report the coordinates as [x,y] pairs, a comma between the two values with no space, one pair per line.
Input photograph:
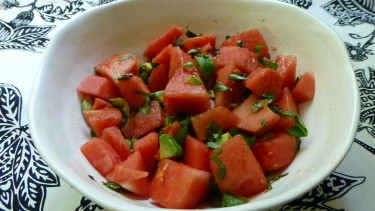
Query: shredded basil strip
[125,76]
[219,87]
[240,44]
[237,77]
[126,57]
[258,48]
[112,185]
[206,65]
[194,51]
[91,177]
[188,64]
[267,63]
[145,70]
[272,179]
[190,34]
[299,130]
[178,43]
[194,80]
[229,200]
[181,134]
[222,168]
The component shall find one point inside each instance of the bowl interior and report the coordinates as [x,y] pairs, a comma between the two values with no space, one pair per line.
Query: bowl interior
[58,128]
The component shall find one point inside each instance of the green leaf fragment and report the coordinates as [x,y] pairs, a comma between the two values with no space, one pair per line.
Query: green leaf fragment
[258,48]
[229,200]
[240,44]
[181,134]
[121,104]
[219,87]
[93,133]
[237,77]
[273,178]
[299,130]
[194,80]
[169,147]
[125,76]
[112,185]
[190,34]
[194,51]
[206,65]
[87,103]
[222,168]
[126,57]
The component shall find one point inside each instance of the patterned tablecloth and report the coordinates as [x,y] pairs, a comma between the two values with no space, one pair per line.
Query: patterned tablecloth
[26,182]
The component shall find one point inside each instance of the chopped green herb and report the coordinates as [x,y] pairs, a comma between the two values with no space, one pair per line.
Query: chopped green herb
[211,93]
[112,185]
[190,34]
[178,43]
[219,141]
[121,104]
[194,51]
[258,48]
[126,57]
[146,107]
[125,76]
[91,177]
[299,130]
[158,95]
[145,70]
[87,103]
[240,44]
[237,77]
[206,66]
[194,80]
[227,37]
[93,133]
[267,63]
[267,99]
[229,200]
[270,64]
[188,64]
[273,178]
[219,87]
[222,168]
[213,132]
[169,147]
[255,107]
[181,134]
[264,122]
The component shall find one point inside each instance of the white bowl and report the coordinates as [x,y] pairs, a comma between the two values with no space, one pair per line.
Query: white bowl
[58,128]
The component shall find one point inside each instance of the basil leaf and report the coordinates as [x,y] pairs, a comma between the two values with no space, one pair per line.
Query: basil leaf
[194,51]
[194,80]
[229,200]
[145,70]
[188,64]
[271,179]
[299,130]
[213,131]
[240,44]
[178,43]
[112,185]
[258,48]
[181,134]
[222,168]
[219,87]
[126,57]
[237,77]
[125,76]
[206,65]
[190,34]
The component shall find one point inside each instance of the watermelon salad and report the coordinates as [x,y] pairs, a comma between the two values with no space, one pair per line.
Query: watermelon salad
[198,122]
